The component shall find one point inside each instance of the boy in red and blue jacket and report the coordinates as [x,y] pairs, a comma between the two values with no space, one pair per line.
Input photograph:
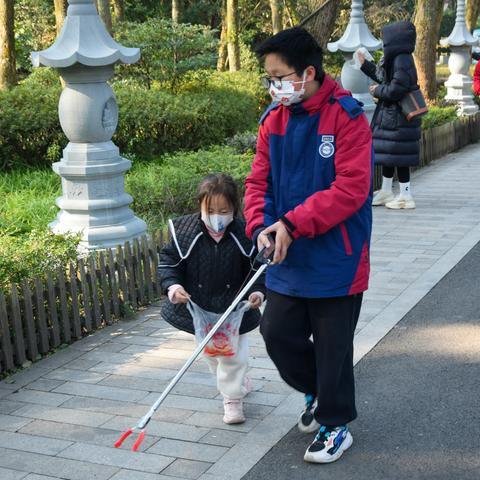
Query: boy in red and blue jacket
[311,186]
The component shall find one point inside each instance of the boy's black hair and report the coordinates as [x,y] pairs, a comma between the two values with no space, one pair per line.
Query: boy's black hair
[219,184]
[297,48]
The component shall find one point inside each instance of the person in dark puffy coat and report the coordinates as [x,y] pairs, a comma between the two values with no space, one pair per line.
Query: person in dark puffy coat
[396,140]
[207,261]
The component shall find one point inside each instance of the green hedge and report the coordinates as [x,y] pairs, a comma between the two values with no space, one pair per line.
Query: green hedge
[152,122]
[168,188]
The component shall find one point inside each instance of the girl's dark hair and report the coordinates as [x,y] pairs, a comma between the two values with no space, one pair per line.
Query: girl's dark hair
[297,48]
[219,184]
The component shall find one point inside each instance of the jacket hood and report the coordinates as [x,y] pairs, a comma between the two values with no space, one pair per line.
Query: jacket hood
[398,38]
[315,103]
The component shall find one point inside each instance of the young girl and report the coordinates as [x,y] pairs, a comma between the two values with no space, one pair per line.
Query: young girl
[207,261]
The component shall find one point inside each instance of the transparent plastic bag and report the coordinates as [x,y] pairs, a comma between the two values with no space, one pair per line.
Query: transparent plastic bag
[225,341]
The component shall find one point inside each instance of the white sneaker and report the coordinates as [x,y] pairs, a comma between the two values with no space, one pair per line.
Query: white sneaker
[381,197]
[400,202]
[306,422]
[329,445]
[233,411]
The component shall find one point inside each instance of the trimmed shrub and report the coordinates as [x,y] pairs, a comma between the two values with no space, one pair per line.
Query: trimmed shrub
[152,122]
[167,188]
[437,116]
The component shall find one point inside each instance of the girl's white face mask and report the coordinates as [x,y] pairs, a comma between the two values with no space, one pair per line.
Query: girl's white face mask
[284,91]
[218,223]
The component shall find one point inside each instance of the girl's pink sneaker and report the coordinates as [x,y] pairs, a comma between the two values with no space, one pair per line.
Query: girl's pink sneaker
[233,411]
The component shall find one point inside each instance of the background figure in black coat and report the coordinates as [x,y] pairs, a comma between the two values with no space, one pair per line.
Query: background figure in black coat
[396,140]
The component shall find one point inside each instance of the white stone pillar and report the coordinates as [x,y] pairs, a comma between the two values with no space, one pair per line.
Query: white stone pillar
[356,35]
[459,83]
[93,201]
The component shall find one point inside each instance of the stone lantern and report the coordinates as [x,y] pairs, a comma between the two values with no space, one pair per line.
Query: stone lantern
[459,84]
[93,201]
[356,35]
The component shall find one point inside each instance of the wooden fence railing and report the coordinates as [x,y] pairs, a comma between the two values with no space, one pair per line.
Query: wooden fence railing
[439,141]
[40,315]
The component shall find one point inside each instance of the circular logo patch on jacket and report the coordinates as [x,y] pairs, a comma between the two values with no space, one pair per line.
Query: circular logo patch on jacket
[326,149]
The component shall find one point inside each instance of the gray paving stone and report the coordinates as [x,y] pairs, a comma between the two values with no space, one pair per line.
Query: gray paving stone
[44,384]
[81,364]
[65,415]
[72,375]
[27,376]
[182,388]
[7,406]
[134,371]
[190,433]
[54,466]
[79,433]
[12,423]
[32,443]
[215,420]
[60,358]
[38,397]
[113,407]
[7,474]
[223,438]
[188,450]
[137,340]
[263,398]
[187,468]
[34,476]
[101,391]
[135,475]
[117,457]
[159,351]
[275,387]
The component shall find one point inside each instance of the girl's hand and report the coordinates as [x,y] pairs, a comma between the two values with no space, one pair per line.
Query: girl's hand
[361,58]
[372,88]
[181,296]
[255,299]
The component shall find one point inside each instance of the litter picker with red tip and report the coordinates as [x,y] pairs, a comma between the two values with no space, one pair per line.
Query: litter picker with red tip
[140,427]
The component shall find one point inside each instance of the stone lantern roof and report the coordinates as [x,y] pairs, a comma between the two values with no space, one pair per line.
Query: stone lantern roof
[84,40]
[460,35]
[357,33]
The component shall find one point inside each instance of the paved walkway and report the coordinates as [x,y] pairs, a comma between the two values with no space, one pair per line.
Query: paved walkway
[60,418]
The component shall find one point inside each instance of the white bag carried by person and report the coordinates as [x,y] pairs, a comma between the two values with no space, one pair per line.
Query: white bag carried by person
[225,341]
[355,61]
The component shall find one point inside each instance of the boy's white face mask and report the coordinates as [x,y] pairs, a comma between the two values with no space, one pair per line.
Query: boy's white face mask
[218,223]
[284,91]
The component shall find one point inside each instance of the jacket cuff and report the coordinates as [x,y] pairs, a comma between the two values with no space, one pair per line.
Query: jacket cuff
[290,226]
[256,232]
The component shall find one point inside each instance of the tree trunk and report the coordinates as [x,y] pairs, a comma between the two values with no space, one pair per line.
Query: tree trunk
[105,14]
[276,16]
[8,75]
[60,13]
[222,48]
[119,10]
[428,17]
[233,42]
[175,10]
[473,9]
[322,24]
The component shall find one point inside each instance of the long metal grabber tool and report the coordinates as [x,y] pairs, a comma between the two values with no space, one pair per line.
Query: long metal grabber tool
[140,428]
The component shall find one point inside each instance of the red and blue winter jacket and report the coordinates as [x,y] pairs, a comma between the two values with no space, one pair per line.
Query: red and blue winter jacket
[313,171]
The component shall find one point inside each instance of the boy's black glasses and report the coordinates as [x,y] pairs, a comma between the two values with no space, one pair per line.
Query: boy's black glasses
[268,81]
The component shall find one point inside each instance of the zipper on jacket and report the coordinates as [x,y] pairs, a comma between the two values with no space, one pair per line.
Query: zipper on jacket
[346,239]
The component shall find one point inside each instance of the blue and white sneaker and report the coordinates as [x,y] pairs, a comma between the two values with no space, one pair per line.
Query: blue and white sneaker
[307,422]
[328,445]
